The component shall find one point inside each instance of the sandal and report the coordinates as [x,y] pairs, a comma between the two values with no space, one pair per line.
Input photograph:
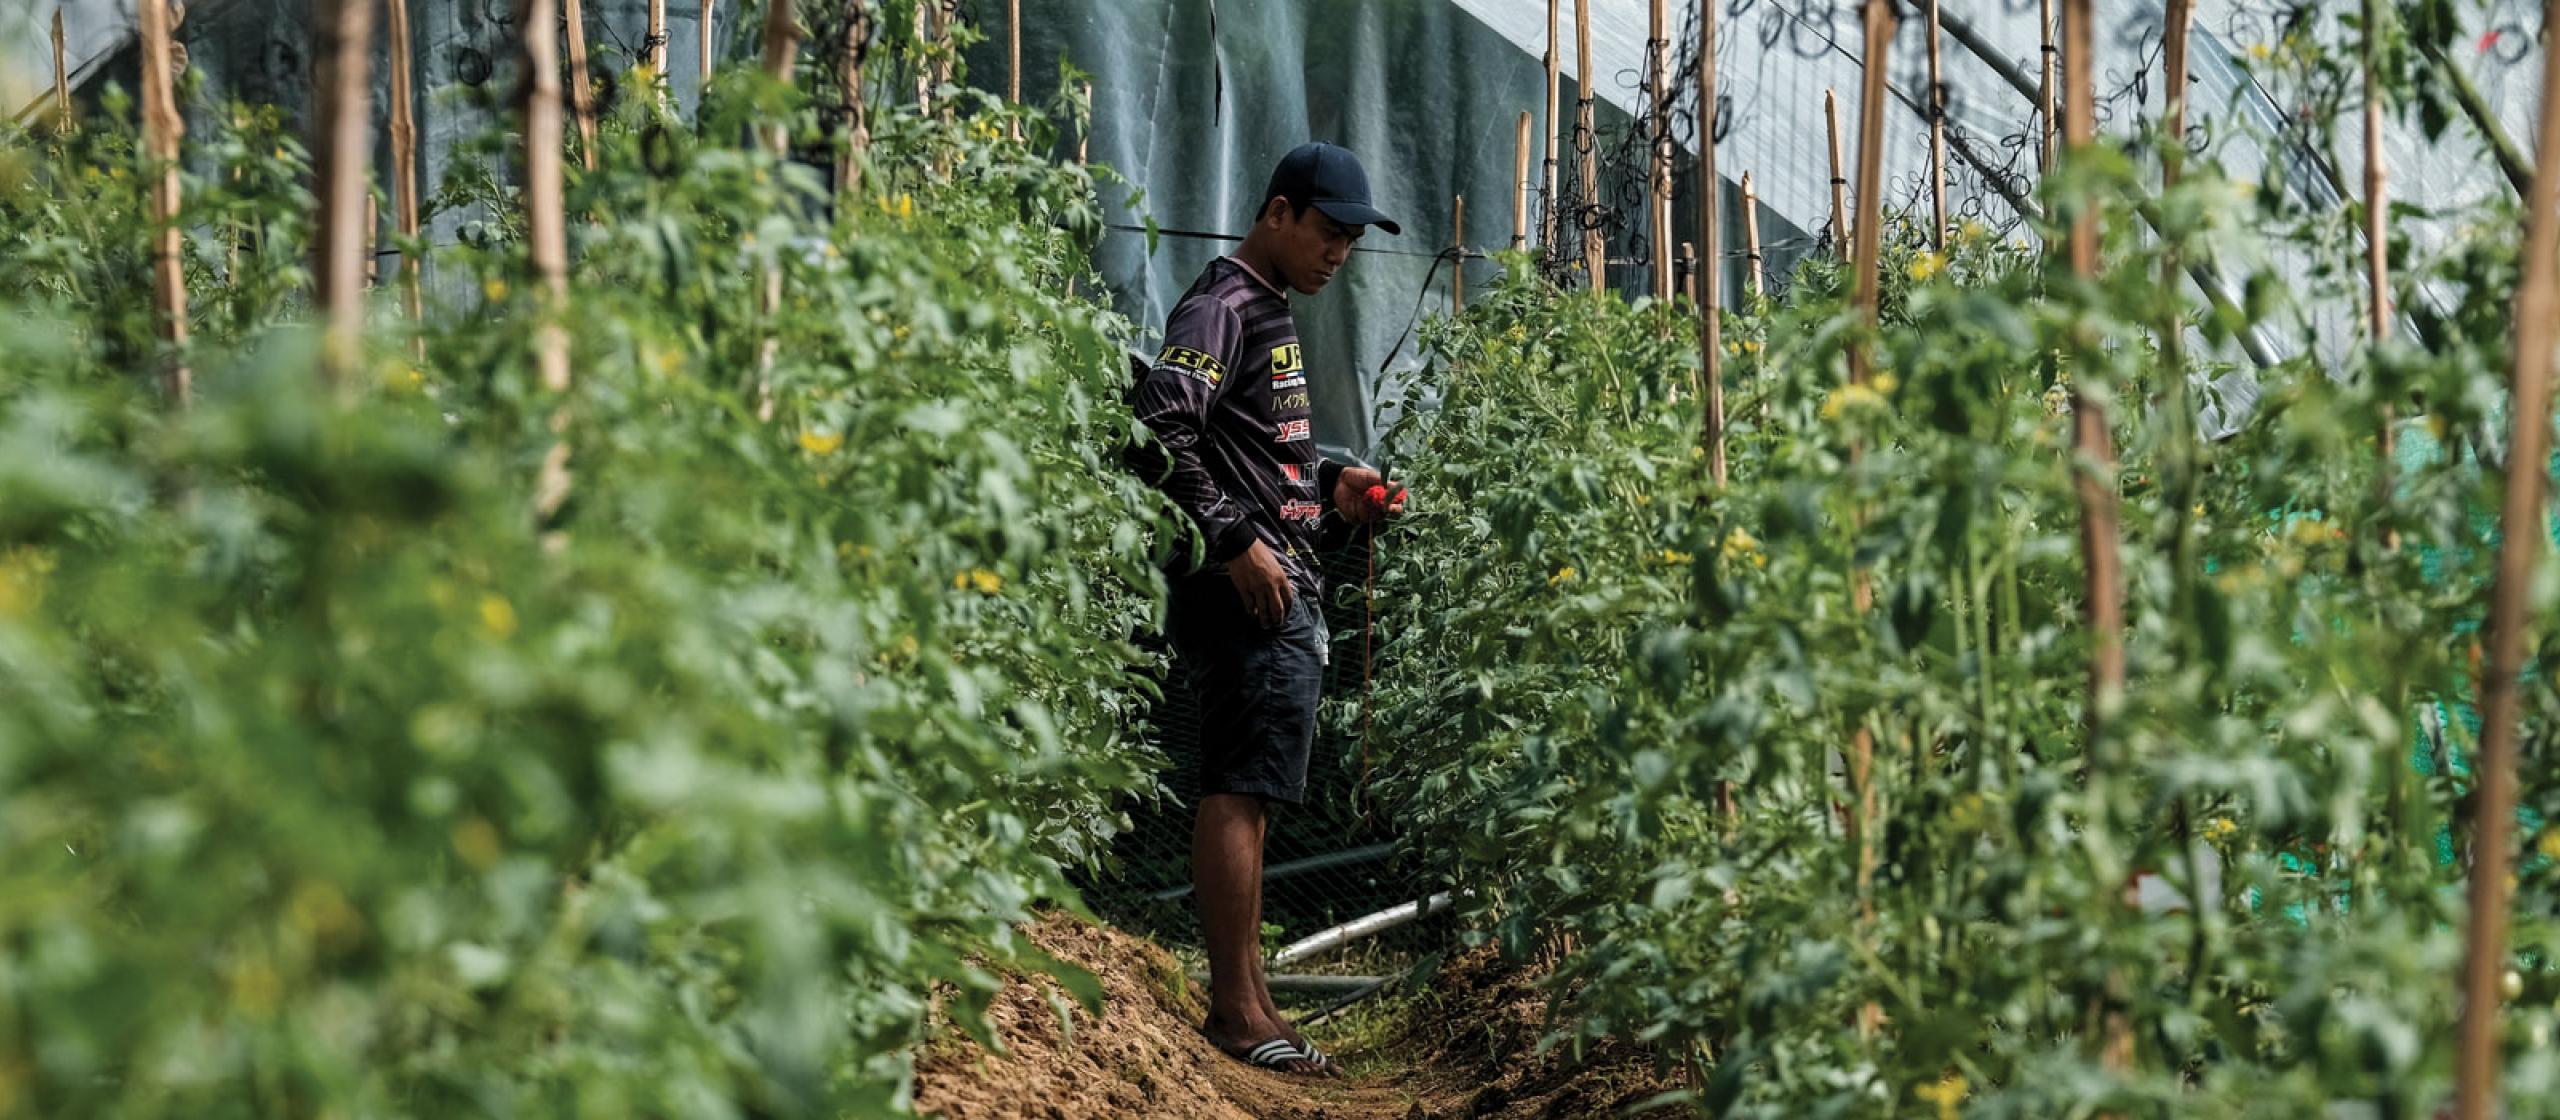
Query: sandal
[1274,1055]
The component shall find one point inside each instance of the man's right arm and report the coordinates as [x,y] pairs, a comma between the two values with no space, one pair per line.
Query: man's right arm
[1174,401]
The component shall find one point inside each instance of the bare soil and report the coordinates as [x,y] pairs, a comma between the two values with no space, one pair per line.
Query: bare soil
[1466,1049]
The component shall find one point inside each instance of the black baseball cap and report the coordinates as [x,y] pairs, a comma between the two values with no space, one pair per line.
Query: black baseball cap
[1329,178]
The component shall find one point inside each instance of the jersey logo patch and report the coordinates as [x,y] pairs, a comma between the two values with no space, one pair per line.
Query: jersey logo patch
[1202,368]
[1291,469]
[1288,366]
[1298,510]
[1291,431]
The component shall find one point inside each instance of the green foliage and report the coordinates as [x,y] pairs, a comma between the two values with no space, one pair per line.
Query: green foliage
[333,783]
[1590,645]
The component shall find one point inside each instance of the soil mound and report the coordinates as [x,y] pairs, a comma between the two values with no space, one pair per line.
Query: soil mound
[1465,1050]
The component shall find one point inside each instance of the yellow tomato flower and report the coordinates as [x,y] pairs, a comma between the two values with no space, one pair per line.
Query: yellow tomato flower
[1924,266]
[1562,574]
[2220,829]
[1740,544]
[2549,845]
[494,288]
[1947,1093]
[1675,556]
[984,581]
[1840,401]
[820,443]
[22,578]
[497,616]
[1886,382]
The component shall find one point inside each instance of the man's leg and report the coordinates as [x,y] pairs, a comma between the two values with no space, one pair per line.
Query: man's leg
[1226,876]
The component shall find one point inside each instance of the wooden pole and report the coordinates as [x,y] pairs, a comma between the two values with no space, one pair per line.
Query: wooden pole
[62,74]
[924,68]
[2097,484]
[2044,90]
[1937,138]
[161,131]
[1658,165]
[1084,139]
[345,32]
[372,241]
[849,82]
[1013,52]
[1839,176]
[2377,237]
[1520,183]
[547,236]
[404,162]
[2520,529]
[1709,274]
[781,52]
[1754,273]
[1458,258]
[653,49]
[1551,228]
[702,32]
[1595,261]
[581,91]
[545,213]
[1867,260]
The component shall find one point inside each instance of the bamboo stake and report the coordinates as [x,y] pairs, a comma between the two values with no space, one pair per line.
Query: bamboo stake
[1686,276]
[547,236]
[2044,89]
[849,82]
[653,49]
[345,32]
[2095,442]
[1551,227]
[404,164]
[161,130]
[2377,236]
[582,92]
[1709,275]
[1595,260]
[1865,254]
[1751,238]
[1458,259]
[1084,139]
[1013,52]
[545,215]
[1839,178]
[1937,138]
[62,74]
[702,30]
[372,241]
[2520,529]
[781,52]
[924,69]
[1520,186]
[1867,258]
[1658,169]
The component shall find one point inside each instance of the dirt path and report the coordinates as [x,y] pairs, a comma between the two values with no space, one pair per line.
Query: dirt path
[1144,1057]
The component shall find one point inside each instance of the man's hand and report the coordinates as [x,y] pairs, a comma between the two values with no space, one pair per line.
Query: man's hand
[1362,496]
[1262,583]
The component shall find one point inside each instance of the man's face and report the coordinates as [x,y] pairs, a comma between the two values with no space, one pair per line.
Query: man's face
[1309,247]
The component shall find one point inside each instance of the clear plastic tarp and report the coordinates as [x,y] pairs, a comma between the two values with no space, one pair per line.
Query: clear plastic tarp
[1195,99]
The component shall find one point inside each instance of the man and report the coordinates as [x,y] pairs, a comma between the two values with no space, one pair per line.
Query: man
[1228,402]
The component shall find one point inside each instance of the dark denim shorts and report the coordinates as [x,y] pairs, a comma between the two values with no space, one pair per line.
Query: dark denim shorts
[1257,687]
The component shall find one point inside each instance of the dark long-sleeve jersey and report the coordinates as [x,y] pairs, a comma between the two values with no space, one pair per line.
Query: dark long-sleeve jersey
[1227,401]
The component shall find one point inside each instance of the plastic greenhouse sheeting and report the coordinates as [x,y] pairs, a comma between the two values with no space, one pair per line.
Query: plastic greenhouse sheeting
[1195,99]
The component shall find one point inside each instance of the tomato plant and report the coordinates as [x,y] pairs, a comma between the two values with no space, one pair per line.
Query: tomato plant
[333,781]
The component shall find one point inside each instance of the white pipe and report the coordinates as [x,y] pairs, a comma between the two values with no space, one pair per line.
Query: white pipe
[1358,928]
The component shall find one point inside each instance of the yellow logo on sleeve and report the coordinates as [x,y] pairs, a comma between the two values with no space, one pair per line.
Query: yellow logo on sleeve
[1200,366]
[1287,358]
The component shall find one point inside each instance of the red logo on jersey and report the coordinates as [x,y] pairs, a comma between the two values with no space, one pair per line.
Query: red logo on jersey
[1291,469]
[1291,431]
[1297,510]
